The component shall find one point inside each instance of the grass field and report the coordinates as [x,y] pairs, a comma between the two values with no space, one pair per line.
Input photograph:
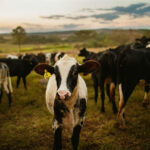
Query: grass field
[28,48]
[27,124]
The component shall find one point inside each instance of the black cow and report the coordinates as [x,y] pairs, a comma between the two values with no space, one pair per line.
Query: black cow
[20,68]
[105,75]
[41,57]
[142,42]
[133,65]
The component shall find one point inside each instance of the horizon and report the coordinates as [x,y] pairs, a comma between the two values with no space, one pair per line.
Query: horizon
[56,16]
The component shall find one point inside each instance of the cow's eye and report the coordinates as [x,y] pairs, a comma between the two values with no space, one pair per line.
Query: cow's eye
[74,73]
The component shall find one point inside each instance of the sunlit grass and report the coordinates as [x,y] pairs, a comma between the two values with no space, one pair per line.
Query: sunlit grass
[13,48]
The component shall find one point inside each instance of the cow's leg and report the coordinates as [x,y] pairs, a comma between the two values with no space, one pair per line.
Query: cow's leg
[76,136]
[18,81]
[8,92]
[102,96]
[57,139]
[77,128]
[125,90]
[95,80]
[1,93]
[59,110]
[24,82]
[145,100]
[9,98]
[112,97]
[57,135]
[107,91]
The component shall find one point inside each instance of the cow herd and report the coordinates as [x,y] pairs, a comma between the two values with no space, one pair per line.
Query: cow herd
[20,66]
[66,92]
[125,65]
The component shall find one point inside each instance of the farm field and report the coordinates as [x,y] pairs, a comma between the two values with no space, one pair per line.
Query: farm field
[27,124]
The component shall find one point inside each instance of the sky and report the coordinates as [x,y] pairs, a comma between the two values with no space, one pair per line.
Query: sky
[62,15]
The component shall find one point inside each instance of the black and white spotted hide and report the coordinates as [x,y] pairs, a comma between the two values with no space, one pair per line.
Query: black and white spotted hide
[66,96]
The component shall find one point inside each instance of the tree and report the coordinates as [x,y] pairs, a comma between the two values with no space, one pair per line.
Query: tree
[19,35]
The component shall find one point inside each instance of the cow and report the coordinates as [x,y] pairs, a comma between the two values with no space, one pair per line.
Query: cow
[66,96]
[12,56]
[20,68]
[56,56]
[105,75]
[5,82]
[133,65]
[48,58]
[41,57]
[143,42]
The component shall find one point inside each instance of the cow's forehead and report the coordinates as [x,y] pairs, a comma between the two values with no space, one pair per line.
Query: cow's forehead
[65,64]
[66,61]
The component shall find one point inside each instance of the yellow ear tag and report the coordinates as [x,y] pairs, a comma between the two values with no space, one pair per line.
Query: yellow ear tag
[46,74]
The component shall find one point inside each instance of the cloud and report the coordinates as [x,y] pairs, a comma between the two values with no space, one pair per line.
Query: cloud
[134,10]
[63,17]
[106,16]
[52,17]
[70,26]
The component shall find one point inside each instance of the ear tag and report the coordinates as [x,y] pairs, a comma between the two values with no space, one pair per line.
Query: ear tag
[46,74]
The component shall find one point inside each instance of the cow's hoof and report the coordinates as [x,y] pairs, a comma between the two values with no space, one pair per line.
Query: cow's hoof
[103,110]
[145,104]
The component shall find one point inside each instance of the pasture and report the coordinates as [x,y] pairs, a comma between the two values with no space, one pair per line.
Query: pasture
[27,124]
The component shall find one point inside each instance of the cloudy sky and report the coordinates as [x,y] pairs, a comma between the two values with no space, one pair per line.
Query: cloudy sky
[60,15]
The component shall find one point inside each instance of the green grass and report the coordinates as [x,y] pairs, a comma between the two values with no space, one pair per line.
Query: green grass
[27,124]
[13,48]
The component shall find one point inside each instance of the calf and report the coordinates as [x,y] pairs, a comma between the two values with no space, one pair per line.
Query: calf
[66,96]
[20,68]
[133,65]
[5,82]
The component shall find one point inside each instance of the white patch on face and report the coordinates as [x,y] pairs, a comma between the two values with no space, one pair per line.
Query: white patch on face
[64,65]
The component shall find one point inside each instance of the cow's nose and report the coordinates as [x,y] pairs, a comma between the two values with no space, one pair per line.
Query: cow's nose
[62,94]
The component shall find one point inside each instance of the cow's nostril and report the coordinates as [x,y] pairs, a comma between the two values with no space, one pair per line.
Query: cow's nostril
[63,95]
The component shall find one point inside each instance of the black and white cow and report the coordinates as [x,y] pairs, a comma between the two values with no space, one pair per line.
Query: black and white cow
[10,56]
[5,82]
[56,56]
[133,65]
[66,96]
[143,42]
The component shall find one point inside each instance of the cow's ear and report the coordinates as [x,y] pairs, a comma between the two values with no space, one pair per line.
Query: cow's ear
[40,68]
[89,66]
